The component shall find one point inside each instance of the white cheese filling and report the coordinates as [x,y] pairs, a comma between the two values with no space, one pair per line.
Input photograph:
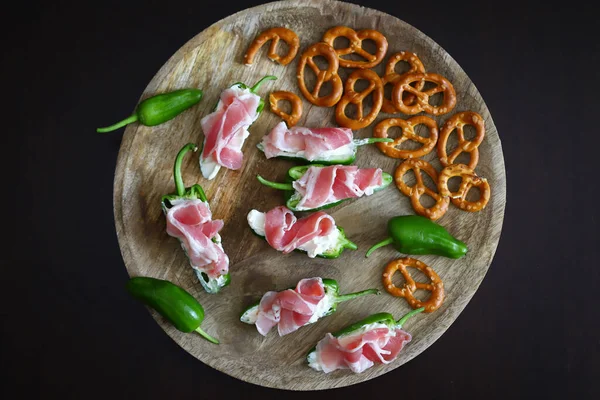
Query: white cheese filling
[318,245]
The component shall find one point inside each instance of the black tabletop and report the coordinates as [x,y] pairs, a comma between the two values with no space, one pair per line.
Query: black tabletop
[68,327]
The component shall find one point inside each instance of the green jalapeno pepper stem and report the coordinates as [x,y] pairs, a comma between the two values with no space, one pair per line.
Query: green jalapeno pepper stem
[160,108]
[362,142]
[378,245]
[177,167]
[114,127]
[275,185]
[254,88]
[206,335]
[350,296]
[402,320]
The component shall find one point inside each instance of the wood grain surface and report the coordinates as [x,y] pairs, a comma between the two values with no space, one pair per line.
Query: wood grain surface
[212,60]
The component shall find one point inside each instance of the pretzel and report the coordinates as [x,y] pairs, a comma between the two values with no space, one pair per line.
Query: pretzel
[355,47]
[408,133]
[422,97]
[274,34]
[391,76]
[457,122]
[436,287]
[356,98]
[292,118]
[469,180]
[330,74]
[415,192]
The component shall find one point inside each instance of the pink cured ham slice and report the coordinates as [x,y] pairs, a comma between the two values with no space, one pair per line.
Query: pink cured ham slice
[289,309]
[324,185]
[360,351]
[284,232]
[226,128]
[312,141]
[191,222]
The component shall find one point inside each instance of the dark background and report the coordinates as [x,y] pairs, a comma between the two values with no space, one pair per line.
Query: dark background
[68,327]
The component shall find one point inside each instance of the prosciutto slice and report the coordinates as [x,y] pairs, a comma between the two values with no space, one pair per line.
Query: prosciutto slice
[324,185]
[191,222]
[284,232]
[359,351]
[226,129]
[308,142]
[291,308]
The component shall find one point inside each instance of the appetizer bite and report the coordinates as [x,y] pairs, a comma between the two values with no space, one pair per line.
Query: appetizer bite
[316,187]
[189,219]
[375,339]
[316,234]
[327,146]
[226,128]
[312,299]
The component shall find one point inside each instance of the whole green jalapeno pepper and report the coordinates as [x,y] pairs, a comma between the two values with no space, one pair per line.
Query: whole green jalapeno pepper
[172,302]
[413,234]
[160,108]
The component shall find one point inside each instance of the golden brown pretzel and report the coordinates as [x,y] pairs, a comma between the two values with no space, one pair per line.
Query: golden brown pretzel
[408,133]
[355,47]
[391,76]
[274,34]
[469,180]
[292,118]
[356,98]
[328,75]
[422,97]
[415,192]
[457,122]
[436,287]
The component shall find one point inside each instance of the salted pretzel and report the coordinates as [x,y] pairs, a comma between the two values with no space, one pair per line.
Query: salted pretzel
[392,77]
[356,98]
[469,179]
[404,85]
[292,118]
[355,47]
[407,290]
[415,192]
[328,75]
[408,133]
[457,122]
[274,34]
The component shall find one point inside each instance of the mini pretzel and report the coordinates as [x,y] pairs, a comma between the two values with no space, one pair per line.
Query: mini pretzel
[422,97]
[408,133]
[436,287]
[458,121]
[292,118]
[274,34]
[469,180]
[415,192]
[356,98]
[391,76]
[330,74]
[355,47]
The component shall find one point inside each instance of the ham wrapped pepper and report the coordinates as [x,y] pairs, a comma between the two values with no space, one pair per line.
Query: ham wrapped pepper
[377,339]
[189,219]
[316,187]
[316,234]
[226,128]
[327,146]
[289,310]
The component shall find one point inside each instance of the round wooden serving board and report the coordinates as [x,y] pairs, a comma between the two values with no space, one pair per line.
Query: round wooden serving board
[212,61]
